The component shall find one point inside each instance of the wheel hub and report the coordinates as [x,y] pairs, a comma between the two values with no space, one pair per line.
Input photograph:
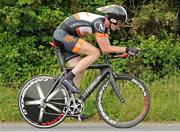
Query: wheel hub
[43,104]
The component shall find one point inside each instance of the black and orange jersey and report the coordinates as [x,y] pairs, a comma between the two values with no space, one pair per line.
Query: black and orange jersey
[68,33]
[84,23]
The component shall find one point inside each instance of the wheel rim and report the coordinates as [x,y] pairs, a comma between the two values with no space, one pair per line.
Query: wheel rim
[35,109]
[132,111]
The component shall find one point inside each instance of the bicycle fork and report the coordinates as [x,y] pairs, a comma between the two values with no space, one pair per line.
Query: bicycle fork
[116,88]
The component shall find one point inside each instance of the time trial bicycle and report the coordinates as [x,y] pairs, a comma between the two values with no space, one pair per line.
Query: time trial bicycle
[122,101]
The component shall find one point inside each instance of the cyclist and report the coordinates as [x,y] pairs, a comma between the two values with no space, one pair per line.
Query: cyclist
[68,34]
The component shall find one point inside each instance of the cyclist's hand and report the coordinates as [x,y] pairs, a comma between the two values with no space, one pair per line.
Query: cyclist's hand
[132,51]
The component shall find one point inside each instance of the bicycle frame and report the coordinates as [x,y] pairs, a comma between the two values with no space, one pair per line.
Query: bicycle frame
[105,69]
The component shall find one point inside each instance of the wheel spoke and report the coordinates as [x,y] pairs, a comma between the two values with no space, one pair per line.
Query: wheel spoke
[58,99]
[53,107]
[34,102]
[53,94]
[40,114]
[57,103]
[40,92]
[47,113]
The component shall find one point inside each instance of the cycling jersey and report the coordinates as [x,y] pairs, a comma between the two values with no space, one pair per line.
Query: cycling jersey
[83,23]
[68,33]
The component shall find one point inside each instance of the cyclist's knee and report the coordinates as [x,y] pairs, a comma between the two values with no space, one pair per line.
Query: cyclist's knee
[89,50]
[96,52]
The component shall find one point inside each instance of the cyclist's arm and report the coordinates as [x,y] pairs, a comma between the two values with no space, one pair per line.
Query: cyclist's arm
[104,44]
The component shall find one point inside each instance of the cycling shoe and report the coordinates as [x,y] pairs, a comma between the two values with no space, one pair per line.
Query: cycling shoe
[69,84]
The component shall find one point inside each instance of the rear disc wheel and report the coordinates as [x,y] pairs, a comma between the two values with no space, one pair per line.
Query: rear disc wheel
[35,109]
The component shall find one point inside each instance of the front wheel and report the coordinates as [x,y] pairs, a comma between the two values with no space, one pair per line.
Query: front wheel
[129,112]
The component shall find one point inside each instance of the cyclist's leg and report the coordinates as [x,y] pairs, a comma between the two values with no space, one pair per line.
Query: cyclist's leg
[73,63]
[66,42]
[72,44]
[91,52]
[72,47]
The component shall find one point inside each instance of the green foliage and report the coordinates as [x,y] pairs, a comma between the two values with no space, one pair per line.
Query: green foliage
[24,29]
[162,55]
[153,18]
[158,57]
[91,5]
[165,98]
[8,105]
[25,26]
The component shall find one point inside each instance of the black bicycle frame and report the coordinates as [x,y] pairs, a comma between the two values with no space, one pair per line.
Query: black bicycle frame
[105,69]
[103,73]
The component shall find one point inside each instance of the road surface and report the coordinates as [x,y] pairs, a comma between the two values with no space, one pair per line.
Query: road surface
[91,126]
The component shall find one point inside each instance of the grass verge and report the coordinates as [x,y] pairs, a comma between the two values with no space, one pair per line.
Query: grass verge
[165,101]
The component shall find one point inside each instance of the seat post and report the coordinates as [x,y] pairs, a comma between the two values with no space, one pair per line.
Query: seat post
[60,59]
[106,60]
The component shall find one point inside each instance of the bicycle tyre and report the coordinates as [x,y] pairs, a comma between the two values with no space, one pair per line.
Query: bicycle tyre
[117,114]
[35,110]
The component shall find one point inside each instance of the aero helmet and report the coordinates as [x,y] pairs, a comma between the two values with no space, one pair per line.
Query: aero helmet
[114,13]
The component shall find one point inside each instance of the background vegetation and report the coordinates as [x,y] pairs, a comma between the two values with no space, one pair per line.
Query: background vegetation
[154,26]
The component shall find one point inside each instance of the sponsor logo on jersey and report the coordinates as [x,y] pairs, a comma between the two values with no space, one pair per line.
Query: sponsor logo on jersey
[79,23]
[99,26]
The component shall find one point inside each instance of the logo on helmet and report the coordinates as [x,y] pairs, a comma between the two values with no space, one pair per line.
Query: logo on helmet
[113,20]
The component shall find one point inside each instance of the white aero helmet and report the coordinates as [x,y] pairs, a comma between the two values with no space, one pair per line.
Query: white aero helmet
[114,13]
